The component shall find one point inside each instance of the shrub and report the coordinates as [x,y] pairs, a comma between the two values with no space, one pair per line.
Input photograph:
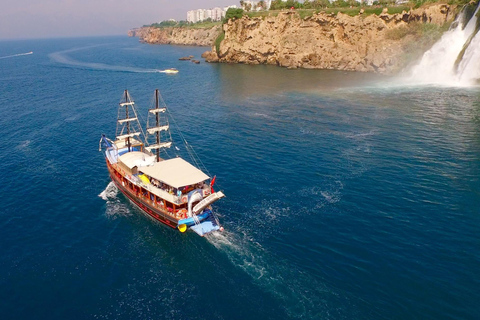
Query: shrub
[219,39]
[233,13]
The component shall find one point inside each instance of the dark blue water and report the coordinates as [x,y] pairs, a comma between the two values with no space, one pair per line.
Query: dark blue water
[349,196]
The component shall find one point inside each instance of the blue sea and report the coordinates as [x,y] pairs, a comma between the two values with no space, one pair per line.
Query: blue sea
[349,195]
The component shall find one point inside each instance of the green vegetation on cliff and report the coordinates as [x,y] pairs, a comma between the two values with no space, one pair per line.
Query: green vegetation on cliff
[308,8]
[233,13]
[323,4]
[219,39]
[351,7]
[206,24]
[422,37]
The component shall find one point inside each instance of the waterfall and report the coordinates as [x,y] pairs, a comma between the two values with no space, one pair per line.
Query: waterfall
[455,58]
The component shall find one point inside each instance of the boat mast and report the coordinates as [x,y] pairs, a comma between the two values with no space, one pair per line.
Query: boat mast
[128,125]
[156,125]
[157,120]
[128,122]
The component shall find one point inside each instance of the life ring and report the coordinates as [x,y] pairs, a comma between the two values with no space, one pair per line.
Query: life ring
[184,198]
[182,214]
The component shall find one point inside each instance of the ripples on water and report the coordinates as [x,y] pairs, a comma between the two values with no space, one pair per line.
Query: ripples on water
[348,195]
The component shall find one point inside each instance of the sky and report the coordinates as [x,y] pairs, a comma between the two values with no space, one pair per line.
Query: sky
[29,19]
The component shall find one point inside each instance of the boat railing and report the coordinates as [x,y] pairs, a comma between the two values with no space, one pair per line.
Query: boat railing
[156,191]
[178,200]
[163,194]
[153,190]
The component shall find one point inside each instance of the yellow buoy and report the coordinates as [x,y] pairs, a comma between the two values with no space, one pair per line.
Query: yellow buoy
[182,227]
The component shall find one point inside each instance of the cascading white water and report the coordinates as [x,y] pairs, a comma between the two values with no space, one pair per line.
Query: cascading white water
[469,67]
[438,64]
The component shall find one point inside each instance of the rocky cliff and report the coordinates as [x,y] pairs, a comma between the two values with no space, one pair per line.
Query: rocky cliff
[368,43]
[183,36]
[327,41]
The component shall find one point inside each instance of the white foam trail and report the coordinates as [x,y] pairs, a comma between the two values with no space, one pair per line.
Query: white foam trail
[110,192]
[300,293]
[24,145]
[17,55]
[62,58]
[115,207]
[240,251]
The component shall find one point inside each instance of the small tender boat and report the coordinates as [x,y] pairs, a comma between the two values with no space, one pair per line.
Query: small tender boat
[170,70]
[153,176]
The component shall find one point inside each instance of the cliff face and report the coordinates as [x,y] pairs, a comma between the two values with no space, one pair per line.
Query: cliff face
[324,41]
[184,36]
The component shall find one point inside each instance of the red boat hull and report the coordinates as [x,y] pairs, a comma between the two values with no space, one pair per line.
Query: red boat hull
[148,206]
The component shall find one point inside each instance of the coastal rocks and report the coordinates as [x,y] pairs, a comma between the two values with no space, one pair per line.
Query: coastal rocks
[210,56]
[189,58]
[182,36]
[323,41]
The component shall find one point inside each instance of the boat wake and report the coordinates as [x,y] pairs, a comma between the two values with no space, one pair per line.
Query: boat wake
[302,295]
[17,55]
[242,251]
[24,145]
[114,207]
[61,57]
[110,192]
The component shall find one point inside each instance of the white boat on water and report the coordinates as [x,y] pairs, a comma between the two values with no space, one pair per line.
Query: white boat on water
[170,70]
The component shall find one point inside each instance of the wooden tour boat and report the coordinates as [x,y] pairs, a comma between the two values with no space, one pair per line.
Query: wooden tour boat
[153,175]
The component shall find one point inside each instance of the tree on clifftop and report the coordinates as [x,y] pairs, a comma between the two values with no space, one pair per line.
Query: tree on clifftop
[279,4]
[233,13]
[262,5]
[316,4]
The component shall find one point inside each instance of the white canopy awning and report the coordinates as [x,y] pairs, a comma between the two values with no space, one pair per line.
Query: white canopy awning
[136,159]
[175,172]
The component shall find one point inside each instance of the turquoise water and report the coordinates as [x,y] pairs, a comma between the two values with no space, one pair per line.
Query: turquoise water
[349,196]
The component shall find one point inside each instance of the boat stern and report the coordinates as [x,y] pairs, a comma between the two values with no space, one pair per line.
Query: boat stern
[206,224]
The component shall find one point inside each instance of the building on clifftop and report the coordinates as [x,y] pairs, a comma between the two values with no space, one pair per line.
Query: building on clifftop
[215,14]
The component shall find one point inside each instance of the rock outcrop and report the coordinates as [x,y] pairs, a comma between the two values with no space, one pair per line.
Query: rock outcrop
[182,36]
[367,43]
[324,41]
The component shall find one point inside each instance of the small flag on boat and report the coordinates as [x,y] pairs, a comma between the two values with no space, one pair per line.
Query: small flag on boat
[212,183]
